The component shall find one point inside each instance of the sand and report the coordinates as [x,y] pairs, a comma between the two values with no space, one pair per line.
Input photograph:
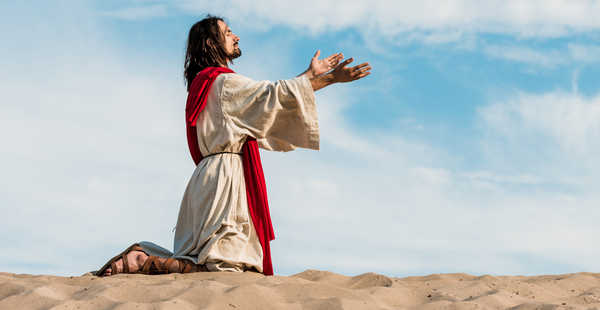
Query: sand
[311,289]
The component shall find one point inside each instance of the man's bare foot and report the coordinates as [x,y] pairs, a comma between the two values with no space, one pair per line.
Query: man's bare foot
[136,260]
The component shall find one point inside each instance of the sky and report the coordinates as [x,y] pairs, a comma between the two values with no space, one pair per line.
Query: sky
[472,146]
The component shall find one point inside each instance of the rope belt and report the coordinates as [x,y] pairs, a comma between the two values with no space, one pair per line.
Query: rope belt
[213,154]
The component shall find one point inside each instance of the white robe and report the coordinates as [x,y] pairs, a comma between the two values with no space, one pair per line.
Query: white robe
[214,227]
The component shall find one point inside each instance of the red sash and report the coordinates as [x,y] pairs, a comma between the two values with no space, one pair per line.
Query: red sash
[256,189]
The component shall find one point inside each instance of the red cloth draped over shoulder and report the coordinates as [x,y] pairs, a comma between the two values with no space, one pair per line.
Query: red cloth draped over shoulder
[256,189]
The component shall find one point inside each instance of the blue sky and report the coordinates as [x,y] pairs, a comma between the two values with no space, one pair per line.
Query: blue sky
[470,148]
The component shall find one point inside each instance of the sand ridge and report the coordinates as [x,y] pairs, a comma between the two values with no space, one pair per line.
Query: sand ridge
[311,289]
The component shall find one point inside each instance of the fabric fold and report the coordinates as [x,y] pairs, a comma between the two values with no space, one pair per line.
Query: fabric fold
[256,190]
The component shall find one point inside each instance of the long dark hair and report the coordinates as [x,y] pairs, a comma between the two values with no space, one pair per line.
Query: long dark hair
[204,48]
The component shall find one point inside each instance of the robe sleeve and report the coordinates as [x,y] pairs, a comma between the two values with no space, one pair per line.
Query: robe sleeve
[280,115]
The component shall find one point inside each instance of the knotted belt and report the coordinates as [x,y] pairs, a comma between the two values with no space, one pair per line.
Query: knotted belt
[213,154]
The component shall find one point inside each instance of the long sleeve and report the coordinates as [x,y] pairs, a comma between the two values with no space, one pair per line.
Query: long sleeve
[281,116]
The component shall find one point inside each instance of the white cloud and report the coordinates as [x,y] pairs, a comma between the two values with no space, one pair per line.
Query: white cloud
[541,57]
[545,57]
[568,120]
[491,177]
[585,52]
[384,24]
[138,12]
[433,19]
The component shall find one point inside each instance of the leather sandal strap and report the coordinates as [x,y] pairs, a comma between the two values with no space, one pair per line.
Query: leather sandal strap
[148,264]
[168,266]
[125,262]
[189,267]
[113,267]
[185,266]
[154,265]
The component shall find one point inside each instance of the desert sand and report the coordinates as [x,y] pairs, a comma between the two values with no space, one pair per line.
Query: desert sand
[311,289]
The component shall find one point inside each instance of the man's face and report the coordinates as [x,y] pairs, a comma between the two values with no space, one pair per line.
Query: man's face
[230,43]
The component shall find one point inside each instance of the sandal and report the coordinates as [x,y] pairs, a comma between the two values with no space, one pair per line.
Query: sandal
[112,262]
[154,265]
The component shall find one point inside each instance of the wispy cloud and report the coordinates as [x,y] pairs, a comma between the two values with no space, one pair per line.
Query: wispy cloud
[383,24]
[522,54]
[569,119]
[536,18]
[585,52]
[138,12]
[547,57]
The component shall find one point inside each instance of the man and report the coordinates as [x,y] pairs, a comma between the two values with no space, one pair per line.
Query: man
[224,222]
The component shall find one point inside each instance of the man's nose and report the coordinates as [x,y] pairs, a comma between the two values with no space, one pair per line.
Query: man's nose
[236,38]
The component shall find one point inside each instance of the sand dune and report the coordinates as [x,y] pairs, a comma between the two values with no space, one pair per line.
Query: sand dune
[310,289]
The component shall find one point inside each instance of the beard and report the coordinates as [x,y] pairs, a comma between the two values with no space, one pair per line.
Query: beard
[237,52]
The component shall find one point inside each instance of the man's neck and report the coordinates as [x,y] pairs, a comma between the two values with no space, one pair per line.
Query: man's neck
[226,65]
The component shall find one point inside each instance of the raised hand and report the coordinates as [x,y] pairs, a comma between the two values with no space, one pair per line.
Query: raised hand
[321,75]
[343,74]
[320,66]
